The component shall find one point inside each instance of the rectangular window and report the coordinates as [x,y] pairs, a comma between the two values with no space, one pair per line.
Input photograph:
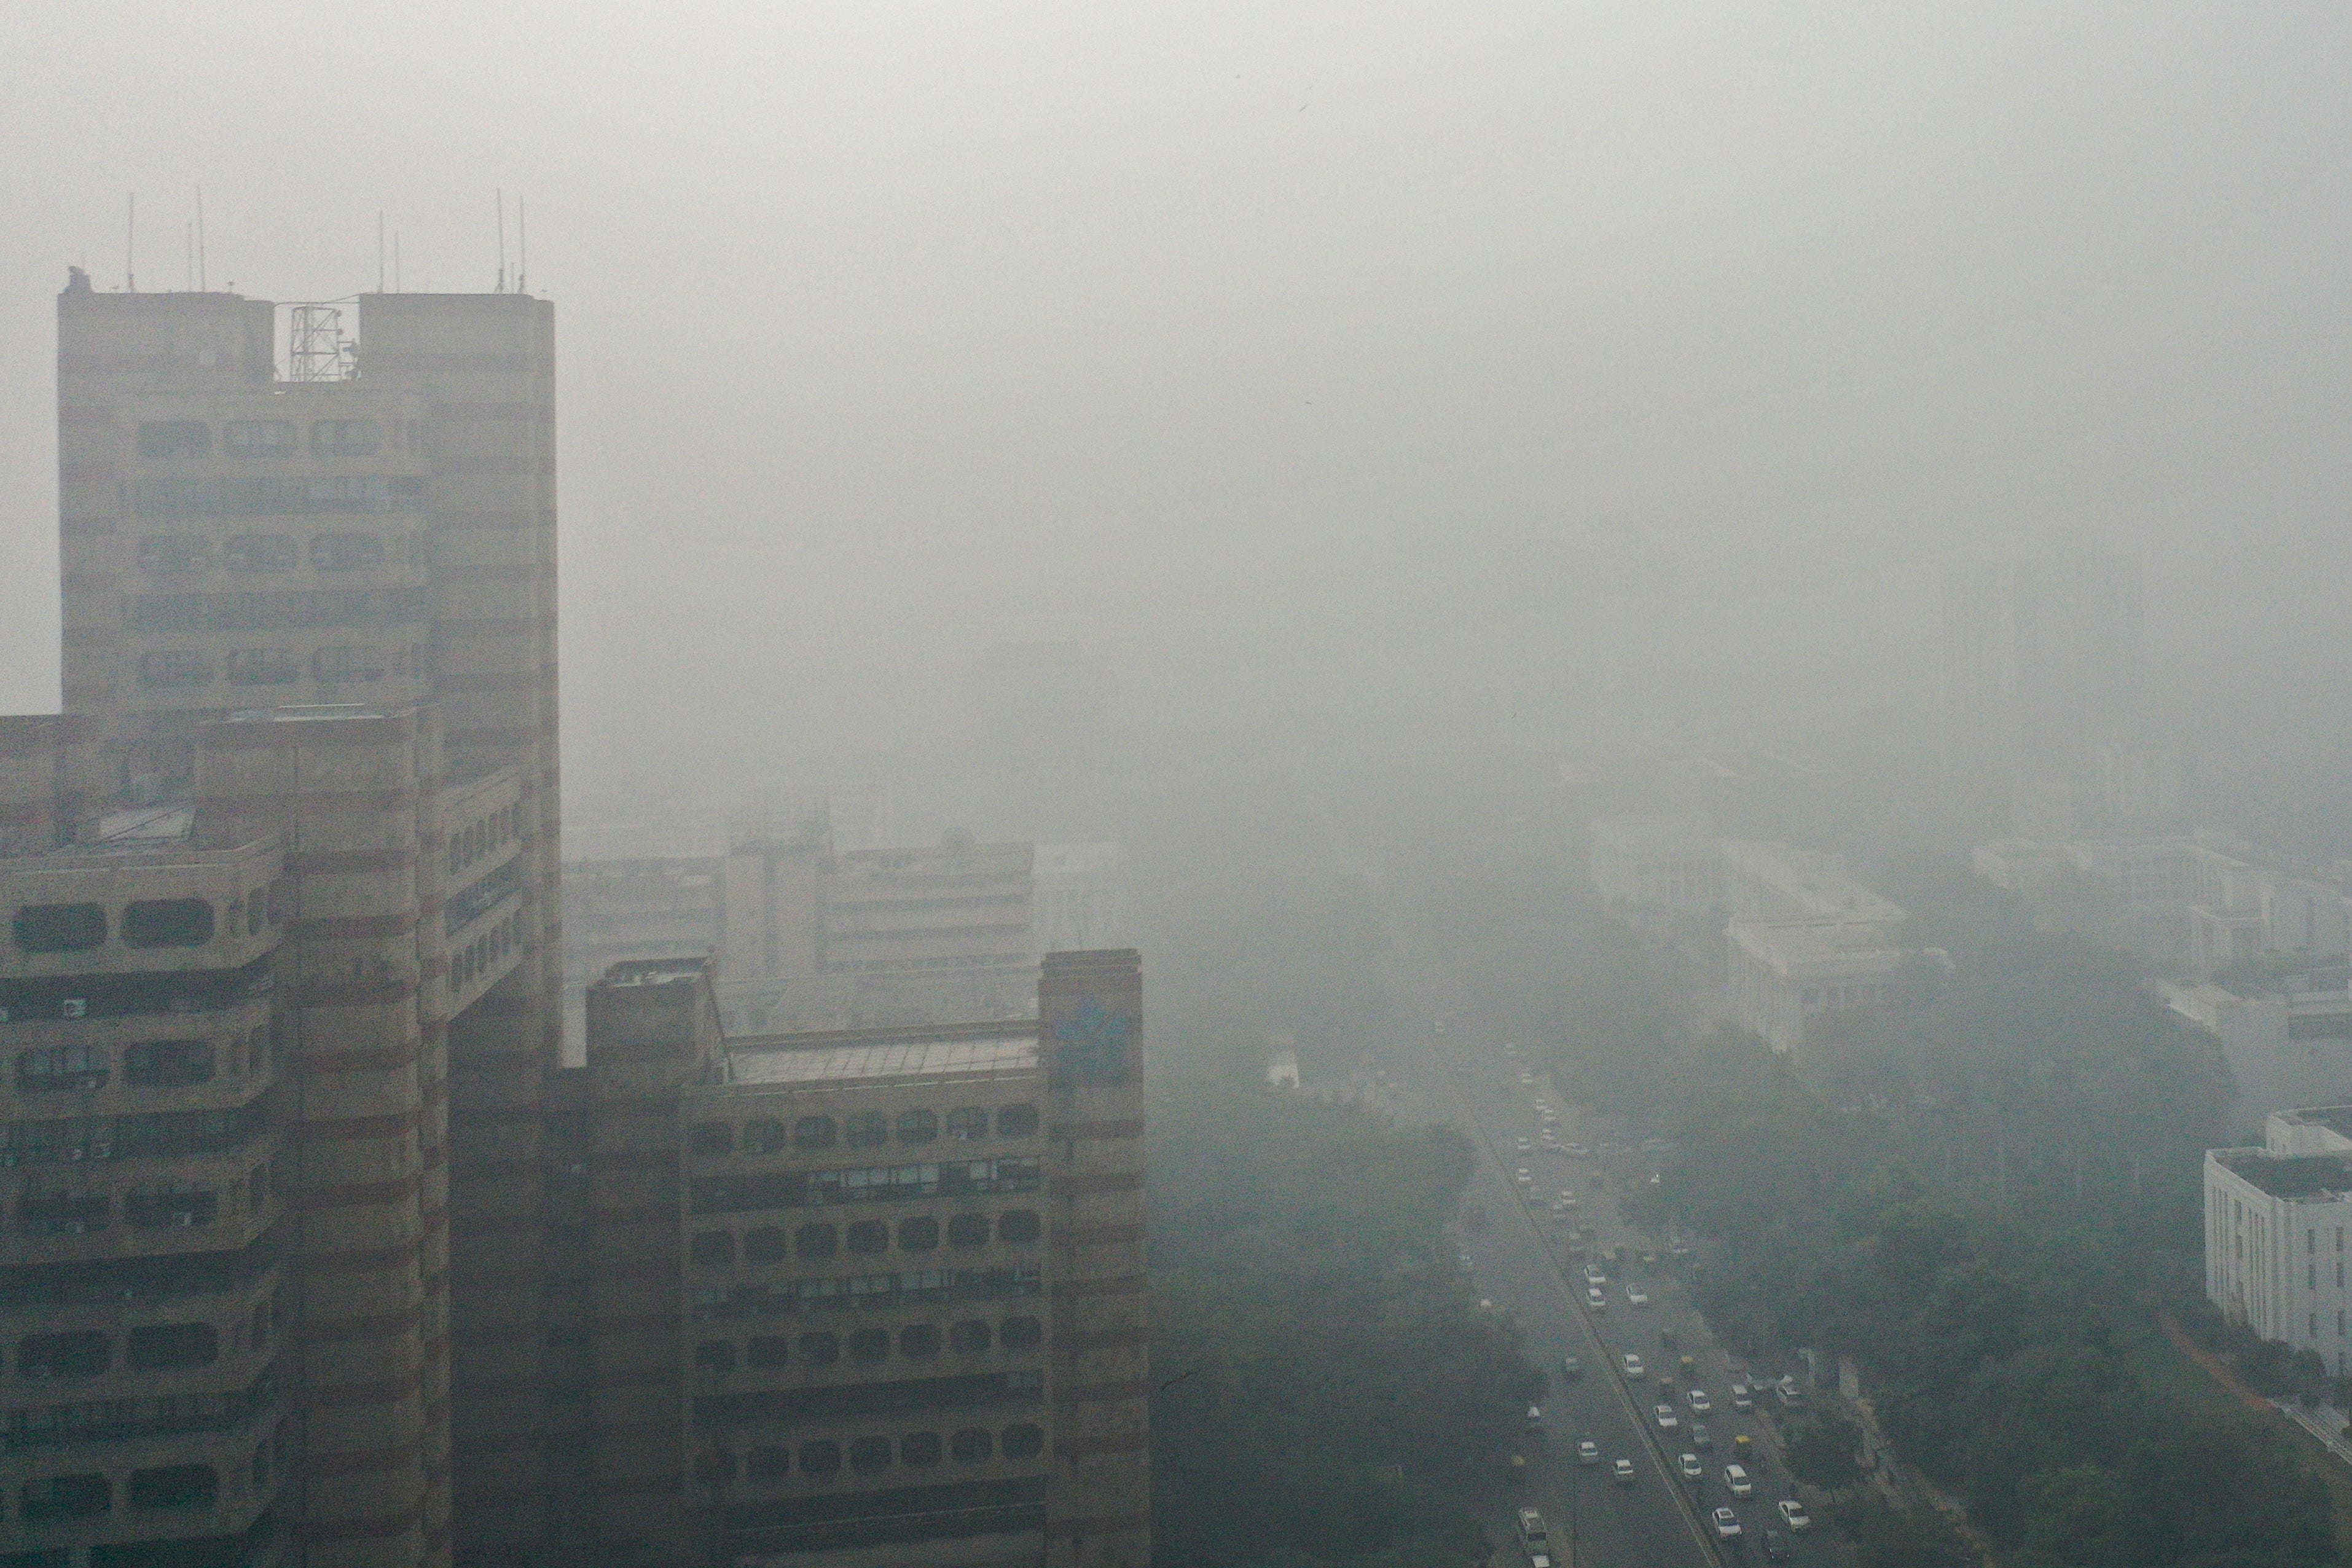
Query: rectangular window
[345,438]
[257,437]
[174,438]
[174,667]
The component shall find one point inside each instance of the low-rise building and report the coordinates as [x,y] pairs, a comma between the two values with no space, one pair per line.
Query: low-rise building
[1656,865]
[2288,1043]
[867,1298]
[2275,1219]
[1785,977]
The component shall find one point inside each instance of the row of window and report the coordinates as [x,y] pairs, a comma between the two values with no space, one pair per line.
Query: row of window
[865,1237]
[161,1134]
[271,438]
[280,495]
[146,1064]
[179,554]
[292,609]
[865,1347]
[163,1347]
[500,828]
[837,1401]
[884,1292]
[1833,996]
[160,1488]
[153,994]
[145,922]
[154,1205]
[470,962]
[754,1190]
[113,1420]
[867,1456]
[861,1129]
[178,668]
[472,902]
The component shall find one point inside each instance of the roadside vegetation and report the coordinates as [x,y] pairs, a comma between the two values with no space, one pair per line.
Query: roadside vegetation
[1979,1195]
[1330,1392]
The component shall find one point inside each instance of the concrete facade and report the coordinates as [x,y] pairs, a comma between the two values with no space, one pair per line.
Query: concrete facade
[869,1298]
[371,538]
[2275,1219]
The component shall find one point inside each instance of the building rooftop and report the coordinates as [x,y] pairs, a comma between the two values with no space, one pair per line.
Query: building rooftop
[878,1059]
[2292,1175]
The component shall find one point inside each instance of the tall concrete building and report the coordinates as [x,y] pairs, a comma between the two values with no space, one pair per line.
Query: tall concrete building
[2043,659]
[360,534]
[870,1297]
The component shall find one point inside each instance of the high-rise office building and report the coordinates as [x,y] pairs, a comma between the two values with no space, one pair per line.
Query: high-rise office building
[309,615]
[2043,658]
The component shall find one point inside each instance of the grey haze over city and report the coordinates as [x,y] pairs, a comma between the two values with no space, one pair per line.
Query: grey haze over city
[1244,342]
[1693,659]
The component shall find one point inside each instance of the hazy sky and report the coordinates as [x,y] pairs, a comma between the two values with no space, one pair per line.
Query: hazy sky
[1200,332]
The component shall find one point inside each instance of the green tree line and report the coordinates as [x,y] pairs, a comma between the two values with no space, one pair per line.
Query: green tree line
[1329,1389]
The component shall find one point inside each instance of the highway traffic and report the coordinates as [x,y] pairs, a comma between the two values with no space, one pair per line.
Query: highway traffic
[1651,1487]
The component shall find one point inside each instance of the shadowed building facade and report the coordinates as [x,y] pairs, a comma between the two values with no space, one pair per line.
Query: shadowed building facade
[905,1316]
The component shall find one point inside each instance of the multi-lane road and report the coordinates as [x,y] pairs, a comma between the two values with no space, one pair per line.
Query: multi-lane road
[1463,1075]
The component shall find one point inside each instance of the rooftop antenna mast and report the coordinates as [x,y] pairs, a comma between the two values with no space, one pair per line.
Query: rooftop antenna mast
[502,240]
[203,281]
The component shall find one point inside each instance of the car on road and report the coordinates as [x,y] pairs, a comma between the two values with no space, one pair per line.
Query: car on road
[1635,1295]
[1595,1274]
[1524,1145]
[1793,1514]
[1699,1403]
[1633,1364]
[1691,1469]
[1528,1079]
[1667,1420]
[1578,1150]
[1587,1452]
[1737,1479]
[1534,1417]
[1742,1397]
[1544,1106]
[1437,1026]
[1524,1177]
[1701,1438]
[1463,1259]
[1594,1301]
[1791,1397]
[1509,1049]
[1567,1198]
[1623,1471]
[1776,1546]
[1570,1368]
[1726,1524]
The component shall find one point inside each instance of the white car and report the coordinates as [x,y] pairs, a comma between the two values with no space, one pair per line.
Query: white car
[1528,1079]
[1594,1301]
[1691,1469]
[1726,1524]
[1534,1417]
[1636,1297]
[1595,1274]
[1543,1105]
[1736,1477]
[1587,1452]
[1699,1403]
[1793,1514]
[1667,1420]
[1578,1150]
[1524,1145]
[1633,1364]
[1524,1177]
[1623,1470]
[1742,1397]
